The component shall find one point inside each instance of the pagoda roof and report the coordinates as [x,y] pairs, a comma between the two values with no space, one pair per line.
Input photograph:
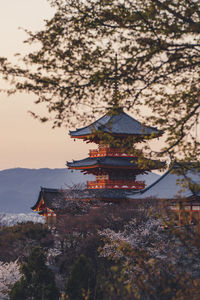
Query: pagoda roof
[119,124]
[103,162]
[167,187]
[106,162]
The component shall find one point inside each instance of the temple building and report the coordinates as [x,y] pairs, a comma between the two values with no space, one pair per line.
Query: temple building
[46,203]
[114,164]
[116,161]
[115,167]
[51,202]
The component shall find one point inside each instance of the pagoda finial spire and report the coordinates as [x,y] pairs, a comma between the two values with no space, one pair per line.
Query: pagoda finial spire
[116,78]
[114,103]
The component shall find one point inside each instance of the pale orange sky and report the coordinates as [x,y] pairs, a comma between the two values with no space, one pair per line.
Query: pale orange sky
[25,142]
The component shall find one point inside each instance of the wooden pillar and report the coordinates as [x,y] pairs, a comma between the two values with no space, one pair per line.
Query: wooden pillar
[198,221]
[179,217]
[190,216]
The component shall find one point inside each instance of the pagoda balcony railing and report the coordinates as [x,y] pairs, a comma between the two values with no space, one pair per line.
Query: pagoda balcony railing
[116,184]
[101,152]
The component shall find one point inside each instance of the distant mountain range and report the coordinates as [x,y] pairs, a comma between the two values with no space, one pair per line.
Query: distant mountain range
[19,188]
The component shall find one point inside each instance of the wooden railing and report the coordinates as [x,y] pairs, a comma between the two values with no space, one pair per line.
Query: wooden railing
[116,184]
[101,152]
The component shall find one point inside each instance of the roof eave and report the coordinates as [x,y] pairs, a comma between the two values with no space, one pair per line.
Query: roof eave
[38,200]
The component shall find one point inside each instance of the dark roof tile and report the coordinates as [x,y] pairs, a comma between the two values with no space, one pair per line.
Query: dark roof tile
[104,161]
[121,123]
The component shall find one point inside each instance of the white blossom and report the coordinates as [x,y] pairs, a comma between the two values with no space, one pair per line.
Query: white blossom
[9,274]
[12,219]
[160,244]
[147,235]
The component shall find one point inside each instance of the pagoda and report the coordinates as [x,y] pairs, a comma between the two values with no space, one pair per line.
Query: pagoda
[115,167]
[115,163]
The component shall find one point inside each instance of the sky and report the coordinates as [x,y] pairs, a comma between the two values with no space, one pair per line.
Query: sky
[24,141]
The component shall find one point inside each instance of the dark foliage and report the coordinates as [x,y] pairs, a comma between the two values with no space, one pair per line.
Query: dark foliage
[37,281]
[17,241]
[81,281]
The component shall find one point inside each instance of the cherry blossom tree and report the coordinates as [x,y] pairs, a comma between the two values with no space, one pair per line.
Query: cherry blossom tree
[153,261]
[9,275]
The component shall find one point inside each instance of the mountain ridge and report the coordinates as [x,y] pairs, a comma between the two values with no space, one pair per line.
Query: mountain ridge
[19,187]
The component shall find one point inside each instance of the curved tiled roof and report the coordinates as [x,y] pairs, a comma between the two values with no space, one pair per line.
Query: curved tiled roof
[104,161]
[57,199]
[49,196]
[121,124]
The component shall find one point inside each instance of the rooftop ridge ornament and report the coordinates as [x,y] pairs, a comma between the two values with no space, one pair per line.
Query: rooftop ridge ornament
[116,78]
[114,105]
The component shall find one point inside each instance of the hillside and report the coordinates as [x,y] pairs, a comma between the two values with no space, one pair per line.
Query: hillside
[19,187]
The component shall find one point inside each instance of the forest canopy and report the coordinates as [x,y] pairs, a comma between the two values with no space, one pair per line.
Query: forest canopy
[158,48]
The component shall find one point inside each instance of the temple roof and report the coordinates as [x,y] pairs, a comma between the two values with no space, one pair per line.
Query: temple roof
[49,196]
[104,161]
[57,199]
[62,199]
[119,124]
[167,187]
[110,162]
